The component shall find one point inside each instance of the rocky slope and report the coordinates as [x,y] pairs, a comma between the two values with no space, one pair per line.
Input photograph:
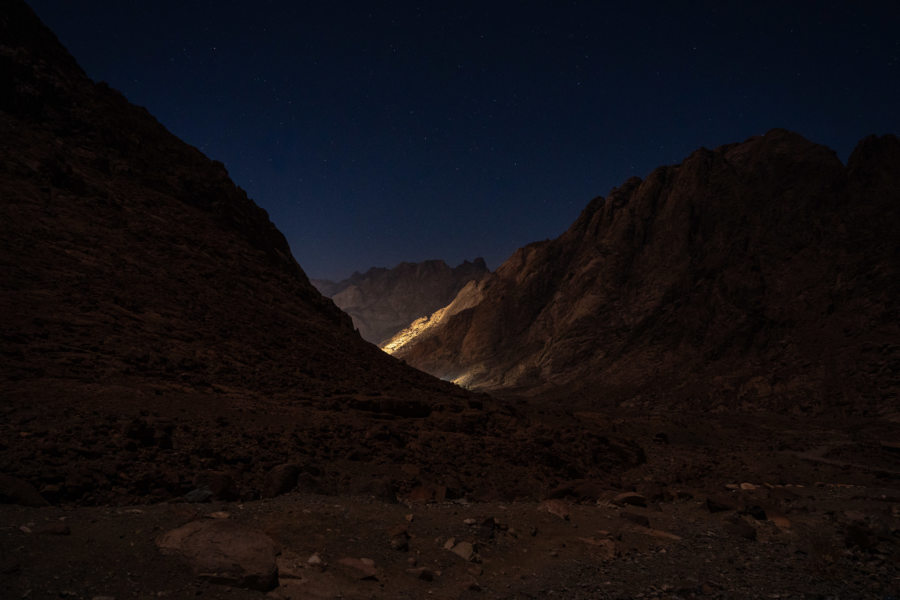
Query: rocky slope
[158,338]
[758,273]
[381,301]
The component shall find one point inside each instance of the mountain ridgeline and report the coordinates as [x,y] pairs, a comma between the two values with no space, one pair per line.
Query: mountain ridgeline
[381,301]
[762,273]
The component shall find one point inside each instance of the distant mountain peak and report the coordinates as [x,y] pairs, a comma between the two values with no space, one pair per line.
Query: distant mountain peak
[383,301]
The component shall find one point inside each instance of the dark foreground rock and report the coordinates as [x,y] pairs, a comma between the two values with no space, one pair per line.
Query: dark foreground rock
[225,552]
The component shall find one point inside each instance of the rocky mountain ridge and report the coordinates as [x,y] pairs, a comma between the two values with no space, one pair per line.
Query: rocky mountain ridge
[382,301]
[758,273]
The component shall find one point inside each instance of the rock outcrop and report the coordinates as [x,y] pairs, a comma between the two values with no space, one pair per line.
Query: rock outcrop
[381,301]
[758,273]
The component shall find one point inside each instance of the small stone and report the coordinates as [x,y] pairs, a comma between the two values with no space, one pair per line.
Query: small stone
[464,550]
[219,514]
[780,521]
[362,568]
[748,486]
[555,507]
[314,559]
[603,548]
[630,498]
[425,494]
[290,565]
[448,545]
[280,480]
[202,494]
[400,542]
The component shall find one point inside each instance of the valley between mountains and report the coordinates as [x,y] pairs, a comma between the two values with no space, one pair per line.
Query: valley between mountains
[691,393]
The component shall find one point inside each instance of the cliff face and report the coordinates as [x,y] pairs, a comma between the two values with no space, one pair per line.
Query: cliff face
[763,272]
[381,302]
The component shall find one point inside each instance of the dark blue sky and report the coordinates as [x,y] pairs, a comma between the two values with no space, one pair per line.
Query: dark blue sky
[375,133]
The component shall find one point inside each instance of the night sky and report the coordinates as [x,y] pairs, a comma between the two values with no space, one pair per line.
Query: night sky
[375,133]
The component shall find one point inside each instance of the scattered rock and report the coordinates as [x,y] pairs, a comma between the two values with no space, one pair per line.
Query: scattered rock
[399,538]
[314,560]
[630,498]
[221,485]
[424,494]
[361,568]
[603,548]
[465,550]
[280,480]
[314,586]
[779,520]
[290,565]
[555,507]
[660,534]
[18,491]
[225,552]
[202,494]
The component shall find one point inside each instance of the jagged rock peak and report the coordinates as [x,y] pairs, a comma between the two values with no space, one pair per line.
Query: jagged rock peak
[765,260]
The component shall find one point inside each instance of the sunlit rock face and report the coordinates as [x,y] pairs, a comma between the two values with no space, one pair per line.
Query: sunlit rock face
[381,301]
[758,273]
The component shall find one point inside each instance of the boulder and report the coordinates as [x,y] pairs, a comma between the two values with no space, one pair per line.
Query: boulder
[225,552]
[280,480]
[18,491]
[629,498]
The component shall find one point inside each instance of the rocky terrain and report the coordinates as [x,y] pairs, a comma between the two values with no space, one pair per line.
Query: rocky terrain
[758,274]
[183,415]
[381,301]
[723,508]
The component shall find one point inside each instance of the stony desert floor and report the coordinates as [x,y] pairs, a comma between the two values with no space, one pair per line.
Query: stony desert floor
[726,506]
